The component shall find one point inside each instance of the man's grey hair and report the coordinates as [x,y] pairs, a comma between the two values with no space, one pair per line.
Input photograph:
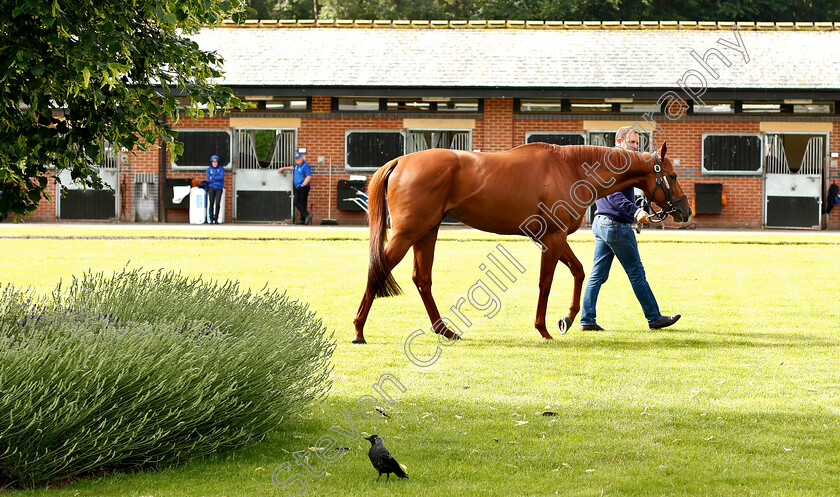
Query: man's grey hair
[623,131]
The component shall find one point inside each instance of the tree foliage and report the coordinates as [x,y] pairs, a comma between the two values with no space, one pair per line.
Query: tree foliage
[74,73]
[283,9]
[546,10]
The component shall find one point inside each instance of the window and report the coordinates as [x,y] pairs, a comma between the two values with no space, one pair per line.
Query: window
[407,104]
[714,108]
[288,104]
[458,105]
[358,104]
[639,107]
[792,153]
[731,154]
[110,156]
[603,138]
[607,139]
[763,108]
[373,148]
[556,138]
[555,105]
[591,106]
[814,108]
[438,138]
[200,145]
[264,148]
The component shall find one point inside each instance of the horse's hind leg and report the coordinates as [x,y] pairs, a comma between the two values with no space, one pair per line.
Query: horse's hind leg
[571,261]
[395,250]
[424,257]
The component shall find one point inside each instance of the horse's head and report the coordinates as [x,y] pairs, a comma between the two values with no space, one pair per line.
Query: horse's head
[666,191]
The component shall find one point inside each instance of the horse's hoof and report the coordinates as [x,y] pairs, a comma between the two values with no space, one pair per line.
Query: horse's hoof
[359,340]
[564,324]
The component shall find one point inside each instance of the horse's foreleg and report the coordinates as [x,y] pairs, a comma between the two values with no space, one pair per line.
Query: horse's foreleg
[548,263]
[424,257]
[395,250]
[571,261]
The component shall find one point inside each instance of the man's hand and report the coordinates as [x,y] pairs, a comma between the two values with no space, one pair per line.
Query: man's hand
[642,216]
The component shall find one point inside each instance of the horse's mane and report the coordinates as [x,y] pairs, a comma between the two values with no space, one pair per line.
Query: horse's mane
[575,154]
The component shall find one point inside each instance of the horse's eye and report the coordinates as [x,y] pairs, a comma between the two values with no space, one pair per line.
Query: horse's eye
[673,176]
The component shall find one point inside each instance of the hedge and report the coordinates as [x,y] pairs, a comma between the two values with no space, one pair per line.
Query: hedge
[139,369]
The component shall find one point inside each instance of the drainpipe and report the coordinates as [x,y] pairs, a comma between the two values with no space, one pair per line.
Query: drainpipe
[161,182]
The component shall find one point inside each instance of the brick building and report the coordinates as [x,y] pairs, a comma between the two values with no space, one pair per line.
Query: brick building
[751,115]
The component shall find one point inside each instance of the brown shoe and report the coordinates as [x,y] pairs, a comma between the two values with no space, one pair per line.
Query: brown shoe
[590,327]
[664,322]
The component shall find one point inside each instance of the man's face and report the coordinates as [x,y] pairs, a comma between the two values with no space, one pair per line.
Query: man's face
[299,160]
[215,163]
[630,142]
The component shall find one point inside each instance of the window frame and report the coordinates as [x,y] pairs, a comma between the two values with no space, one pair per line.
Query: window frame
[649,135]
[831,108]
[348,132]
[556,105]
[336,105]
[271,105]
[592,106]
[759,171]
[277,131]
[228,166]
[649,106]
[110,156]
[431,104]
[479,105]
[469,132]
[762,107]
[712,103]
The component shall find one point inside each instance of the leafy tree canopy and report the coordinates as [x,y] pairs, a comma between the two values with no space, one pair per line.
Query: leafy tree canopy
[546,10]
[74,73]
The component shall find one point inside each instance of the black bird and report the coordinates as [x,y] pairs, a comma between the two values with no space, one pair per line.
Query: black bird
[382,460]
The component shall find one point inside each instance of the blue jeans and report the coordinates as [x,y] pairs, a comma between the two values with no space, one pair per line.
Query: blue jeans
[613,239]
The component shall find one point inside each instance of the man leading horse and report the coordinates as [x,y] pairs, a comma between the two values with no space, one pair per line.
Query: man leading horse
[538,190]
[614,237]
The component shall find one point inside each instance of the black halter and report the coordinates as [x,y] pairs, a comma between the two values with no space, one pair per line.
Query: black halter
[662,182]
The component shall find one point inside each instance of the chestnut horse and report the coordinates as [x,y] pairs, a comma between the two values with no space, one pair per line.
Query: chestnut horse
[537,190]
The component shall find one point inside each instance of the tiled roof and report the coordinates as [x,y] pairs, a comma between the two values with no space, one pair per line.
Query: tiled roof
[519,54]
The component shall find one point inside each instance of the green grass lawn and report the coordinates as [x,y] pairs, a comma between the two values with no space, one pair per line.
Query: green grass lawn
[741,397]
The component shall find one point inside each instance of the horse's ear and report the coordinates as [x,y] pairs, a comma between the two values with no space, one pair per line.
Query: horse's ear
[663,150]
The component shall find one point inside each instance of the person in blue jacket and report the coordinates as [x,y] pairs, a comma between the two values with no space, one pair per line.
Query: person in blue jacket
[216,184]
[614,237]
[302,177]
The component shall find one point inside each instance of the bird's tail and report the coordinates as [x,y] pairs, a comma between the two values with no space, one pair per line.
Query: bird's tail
[399,472]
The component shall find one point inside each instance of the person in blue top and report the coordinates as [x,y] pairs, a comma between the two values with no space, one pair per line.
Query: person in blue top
[216,184]
[614,237]
[302,177]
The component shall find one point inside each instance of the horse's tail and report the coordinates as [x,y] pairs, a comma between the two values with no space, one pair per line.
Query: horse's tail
[380,280]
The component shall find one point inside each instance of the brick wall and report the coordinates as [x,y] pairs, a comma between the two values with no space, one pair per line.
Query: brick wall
[833,218]
[496,129]
[46,210]
[324,136]
[744,202]
[323,133]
